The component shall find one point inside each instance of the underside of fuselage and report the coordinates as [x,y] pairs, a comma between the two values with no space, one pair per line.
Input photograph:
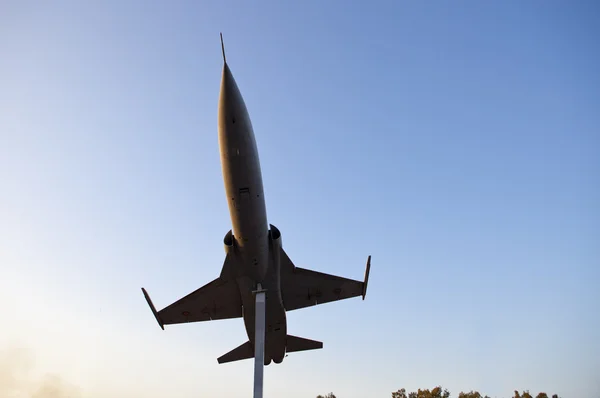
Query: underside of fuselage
[255,251]
[242,178]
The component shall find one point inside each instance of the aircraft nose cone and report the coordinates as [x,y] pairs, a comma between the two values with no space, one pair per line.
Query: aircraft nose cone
[227,79]
[229,89]
[232,108]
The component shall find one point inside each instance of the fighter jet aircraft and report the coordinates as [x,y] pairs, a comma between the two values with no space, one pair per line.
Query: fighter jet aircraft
[254,253]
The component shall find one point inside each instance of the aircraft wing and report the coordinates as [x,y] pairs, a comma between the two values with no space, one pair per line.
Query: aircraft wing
[303,288]
[219,299]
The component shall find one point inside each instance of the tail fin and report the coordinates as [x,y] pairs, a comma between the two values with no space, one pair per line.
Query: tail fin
[300,344]
[244,351]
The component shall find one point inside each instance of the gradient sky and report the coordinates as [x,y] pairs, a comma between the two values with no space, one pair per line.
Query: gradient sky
[456,142]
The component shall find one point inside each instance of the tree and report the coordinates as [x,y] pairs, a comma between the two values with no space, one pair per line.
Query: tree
[435,393]
[401,393]
[524,394]
[330,395]
[470,394]
[438,393]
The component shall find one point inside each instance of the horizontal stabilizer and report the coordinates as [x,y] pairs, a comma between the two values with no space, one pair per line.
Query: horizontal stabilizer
[300,344]
[244,351]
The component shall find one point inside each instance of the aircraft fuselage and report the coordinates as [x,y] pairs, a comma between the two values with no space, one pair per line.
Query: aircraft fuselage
[254,252]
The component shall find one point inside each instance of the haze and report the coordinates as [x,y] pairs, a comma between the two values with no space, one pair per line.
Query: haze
[455,142]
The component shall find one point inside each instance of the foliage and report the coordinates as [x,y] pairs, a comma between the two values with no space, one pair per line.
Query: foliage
[526,394]
[437,392]
[401,393]
[434,393]
[471,394]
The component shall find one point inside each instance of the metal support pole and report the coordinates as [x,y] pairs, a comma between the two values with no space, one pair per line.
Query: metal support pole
[259,341]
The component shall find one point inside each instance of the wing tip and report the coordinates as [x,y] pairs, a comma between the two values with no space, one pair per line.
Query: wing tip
[153,309]
[366,281]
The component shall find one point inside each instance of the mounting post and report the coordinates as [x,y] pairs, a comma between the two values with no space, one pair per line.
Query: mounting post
[259,340]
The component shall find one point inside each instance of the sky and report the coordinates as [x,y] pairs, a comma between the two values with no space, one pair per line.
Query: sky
[455,142]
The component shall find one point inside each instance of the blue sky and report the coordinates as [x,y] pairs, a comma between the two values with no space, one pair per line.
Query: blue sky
[455,142]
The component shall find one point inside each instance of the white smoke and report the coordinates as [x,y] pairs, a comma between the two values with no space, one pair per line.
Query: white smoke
[17,380]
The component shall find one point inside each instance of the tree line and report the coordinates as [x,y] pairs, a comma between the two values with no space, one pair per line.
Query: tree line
[437,392]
